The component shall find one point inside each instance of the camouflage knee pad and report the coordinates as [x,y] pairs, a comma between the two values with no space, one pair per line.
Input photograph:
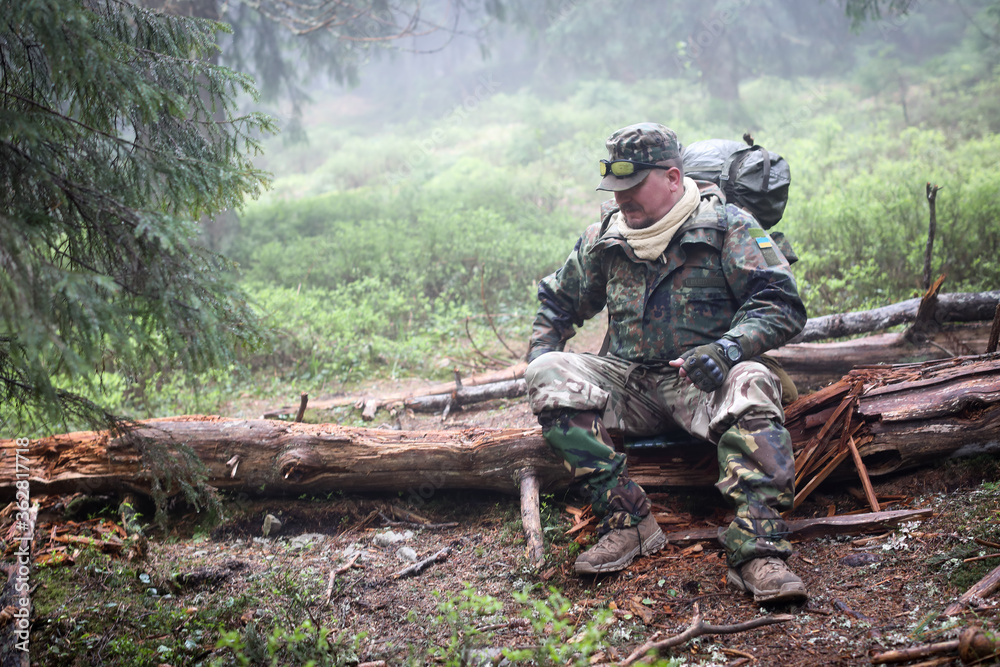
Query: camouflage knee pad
[581,439]
[757,474]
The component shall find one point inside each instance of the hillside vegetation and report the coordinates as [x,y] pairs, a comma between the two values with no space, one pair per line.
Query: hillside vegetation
[392,247]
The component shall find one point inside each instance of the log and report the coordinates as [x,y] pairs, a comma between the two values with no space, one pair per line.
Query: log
[814,365]
[902,417]
[955,307]
[826,526]
[810,365]
[283,457]
[512,373]
[467,395]
[980,590]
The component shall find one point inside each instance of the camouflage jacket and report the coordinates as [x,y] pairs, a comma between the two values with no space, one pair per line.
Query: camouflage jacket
[720,276]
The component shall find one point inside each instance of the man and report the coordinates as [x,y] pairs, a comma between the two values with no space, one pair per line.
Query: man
[695,293]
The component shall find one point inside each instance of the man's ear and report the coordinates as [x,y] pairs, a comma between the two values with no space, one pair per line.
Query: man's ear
[675,177]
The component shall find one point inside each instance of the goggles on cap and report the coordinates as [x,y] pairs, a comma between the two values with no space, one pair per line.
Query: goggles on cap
[622,168]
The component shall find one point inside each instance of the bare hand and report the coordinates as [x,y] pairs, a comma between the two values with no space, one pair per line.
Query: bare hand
[678,363]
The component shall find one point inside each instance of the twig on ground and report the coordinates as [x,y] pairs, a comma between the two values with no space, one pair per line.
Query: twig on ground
[408,515]
[850,612]
[415,524]
[741,654]
[698,627]
[419,567]
[333,577]
[974,558]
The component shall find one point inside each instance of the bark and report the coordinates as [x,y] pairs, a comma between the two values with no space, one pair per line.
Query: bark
[467,395]
[900,417]
[513,373]
[956,307]
[814,365]
[811,365]
[975,595]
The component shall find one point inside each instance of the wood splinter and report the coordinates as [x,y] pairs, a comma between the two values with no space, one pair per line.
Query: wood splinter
[531,516]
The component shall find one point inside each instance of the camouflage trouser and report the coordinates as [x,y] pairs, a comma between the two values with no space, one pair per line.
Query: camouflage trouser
[583,442]
[743,418]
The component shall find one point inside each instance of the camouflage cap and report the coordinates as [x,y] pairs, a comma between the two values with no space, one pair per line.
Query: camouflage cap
[642,142]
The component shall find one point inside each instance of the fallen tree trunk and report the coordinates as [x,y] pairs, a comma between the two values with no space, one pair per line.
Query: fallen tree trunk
[810,366]
[466,395]
[271,457]
[512,373]
[900,416]
[815,365]
[955,307]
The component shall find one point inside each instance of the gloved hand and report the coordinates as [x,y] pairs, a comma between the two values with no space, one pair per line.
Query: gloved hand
[707,366]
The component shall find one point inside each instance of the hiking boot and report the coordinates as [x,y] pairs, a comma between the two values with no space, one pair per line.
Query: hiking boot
[619,547]
[768,580]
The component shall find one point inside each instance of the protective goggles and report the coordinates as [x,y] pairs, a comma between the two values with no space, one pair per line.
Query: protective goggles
[623,168]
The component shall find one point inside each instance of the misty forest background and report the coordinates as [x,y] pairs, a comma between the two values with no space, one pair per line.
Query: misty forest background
[426,183]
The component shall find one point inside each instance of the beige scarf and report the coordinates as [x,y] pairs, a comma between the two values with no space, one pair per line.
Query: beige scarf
[650,242]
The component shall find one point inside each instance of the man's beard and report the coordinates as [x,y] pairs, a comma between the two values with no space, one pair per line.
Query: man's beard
[637,219]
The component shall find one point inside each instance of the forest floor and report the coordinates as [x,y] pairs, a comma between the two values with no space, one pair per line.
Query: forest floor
[231,595]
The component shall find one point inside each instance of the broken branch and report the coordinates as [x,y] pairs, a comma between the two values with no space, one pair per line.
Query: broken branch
[303,401]
[698,628]
[531,516]
[980,590]
[333,577]
[420,566]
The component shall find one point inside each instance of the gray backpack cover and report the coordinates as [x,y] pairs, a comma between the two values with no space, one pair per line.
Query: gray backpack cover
[750,176]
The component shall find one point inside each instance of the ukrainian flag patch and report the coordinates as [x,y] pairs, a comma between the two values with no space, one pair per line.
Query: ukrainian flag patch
[766,246]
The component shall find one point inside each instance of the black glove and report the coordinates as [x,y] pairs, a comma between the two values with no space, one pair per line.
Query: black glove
[708,365]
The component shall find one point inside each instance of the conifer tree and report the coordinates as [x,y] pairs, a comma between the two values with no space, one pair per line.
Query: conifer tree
[117,136]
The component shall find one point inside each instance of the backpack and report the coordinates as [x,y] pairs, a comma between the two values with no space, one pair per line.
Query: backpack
[750,176]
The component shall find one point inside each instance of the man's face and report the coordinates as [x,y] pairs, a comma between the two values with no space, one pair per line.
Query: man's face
[649,201]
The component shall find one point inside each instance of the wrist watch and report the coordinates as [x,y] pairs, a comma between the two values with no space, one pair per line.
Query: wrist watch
[732,349]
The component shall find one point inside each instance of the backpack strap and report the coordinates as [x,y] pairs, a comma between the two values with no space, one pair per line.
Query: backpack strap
[734,168]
